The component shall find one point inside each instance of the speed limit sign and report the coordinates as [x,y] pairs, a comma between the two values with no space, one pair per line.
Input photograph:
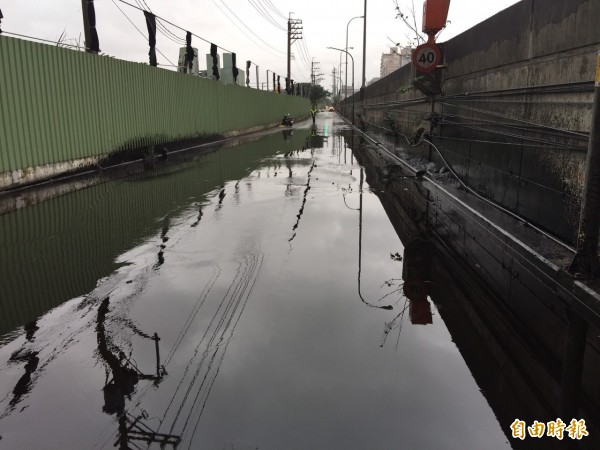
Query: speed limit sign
[426,57]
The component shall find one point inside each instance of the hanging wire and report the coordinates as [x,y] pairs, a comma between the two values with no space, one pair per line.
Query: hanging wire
[511,135]
[273,8]
[140,31]
[161,28]
[305,55]
[567,88]
[249,29]
[242,31]
[583,136]
[484,141]
[265,14]
[246,26]
[300,70]
[174,25]
[462,183]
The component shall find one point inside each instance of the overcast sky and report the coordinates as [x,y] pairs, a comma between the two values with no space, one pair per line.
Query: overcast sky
[261,37]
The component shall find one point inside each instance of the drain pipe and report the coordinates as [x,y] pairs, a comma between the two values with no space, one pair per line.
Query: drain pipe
[585,263]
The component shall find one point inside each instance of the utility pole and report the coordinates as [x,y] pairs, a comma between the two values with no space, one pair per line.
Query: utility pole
[294,33]
[315,75]
[334,85]
[364,75]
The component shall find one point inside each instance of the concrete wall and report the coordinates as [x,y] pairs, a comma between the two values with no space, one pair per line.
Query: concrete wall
[515,109]
[514,299]
[62,109]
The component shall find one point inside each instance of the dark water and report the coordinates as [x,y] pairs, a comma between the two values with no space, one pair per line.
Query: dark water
[245,263]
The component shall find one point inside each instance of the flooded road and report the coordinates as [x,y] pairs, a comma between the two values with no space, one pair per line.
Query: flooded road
[249,298]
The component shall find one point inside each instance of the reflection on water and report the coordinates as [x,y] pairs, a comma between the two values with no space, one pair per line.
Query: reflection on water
[237,300]
[529,350]
[58,249]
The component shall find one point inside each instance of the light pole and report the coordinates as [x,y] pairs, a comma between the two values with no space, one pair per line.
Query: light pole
[268,78]
[352,58]
[364,75]
[340,77]
[346,75]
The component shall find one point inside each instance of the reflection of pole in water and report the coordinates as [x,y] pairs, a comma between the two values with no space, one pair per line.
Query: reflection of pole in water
[416,273]
[299,215]
[360,208]
[125,376]
[416,282]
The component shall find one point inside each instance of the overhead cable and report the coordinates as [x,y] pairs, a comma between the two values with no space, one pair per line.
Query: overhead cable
[140,31]
[248,28]
[265,14]
[274,9]
[172,24]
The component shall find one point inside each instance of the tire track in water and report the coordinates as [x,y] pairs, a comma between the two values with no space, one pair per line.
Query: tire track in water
[214,342]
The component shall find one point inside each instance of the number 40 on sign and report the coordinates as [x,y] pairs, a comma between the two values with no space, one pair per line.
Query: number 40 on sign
[426,57]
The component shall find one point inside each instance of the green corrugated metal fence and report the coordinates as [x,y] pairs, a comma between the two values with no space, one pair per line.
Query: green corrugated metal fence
[59,105]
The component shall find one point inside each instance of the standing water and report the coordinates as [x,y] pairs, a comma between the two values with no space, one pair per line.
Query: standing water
[248,298]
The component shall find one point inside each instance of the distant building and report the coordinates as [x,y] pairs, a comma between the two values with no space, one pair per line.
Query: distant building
[346,91]
[182,67]
[393,60]
[225,72]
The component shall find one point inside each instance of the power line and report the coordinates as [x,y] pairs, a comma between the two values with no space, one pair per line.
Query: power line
[135,26]
[248,28]
[300,70]
[265,14]
[274,9]
[243,32]
[172,24]
[304,54]
[162,28]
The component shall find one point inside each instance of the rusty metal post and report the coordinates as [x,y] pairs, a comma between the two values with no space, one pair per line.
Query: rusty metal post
[585,263]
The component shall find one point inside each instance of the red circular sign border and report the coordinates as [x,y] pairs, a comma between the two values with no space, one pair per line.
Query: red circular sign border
[438,57]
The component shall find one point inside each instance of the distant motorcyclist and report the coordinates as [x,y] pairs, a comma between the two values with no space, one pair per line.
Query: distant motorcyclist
[287,120]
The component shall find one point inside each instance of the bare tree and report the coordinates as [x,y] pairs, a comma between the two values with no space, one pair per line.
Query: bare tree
[408,15]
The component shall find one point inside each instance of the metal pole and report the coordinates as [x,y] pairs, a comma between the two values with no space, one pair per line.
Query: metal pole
[256,77]
[289,54]
[267,79]
[585,263]
[352,58]
[346,73]
[156,339]
[364,75]
[340,76]
[353,97]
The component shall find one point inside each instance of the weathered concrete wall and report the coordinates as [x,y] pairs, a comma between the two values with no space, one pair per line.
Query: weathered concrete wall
[515,110]
[62,109]
[518,301]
